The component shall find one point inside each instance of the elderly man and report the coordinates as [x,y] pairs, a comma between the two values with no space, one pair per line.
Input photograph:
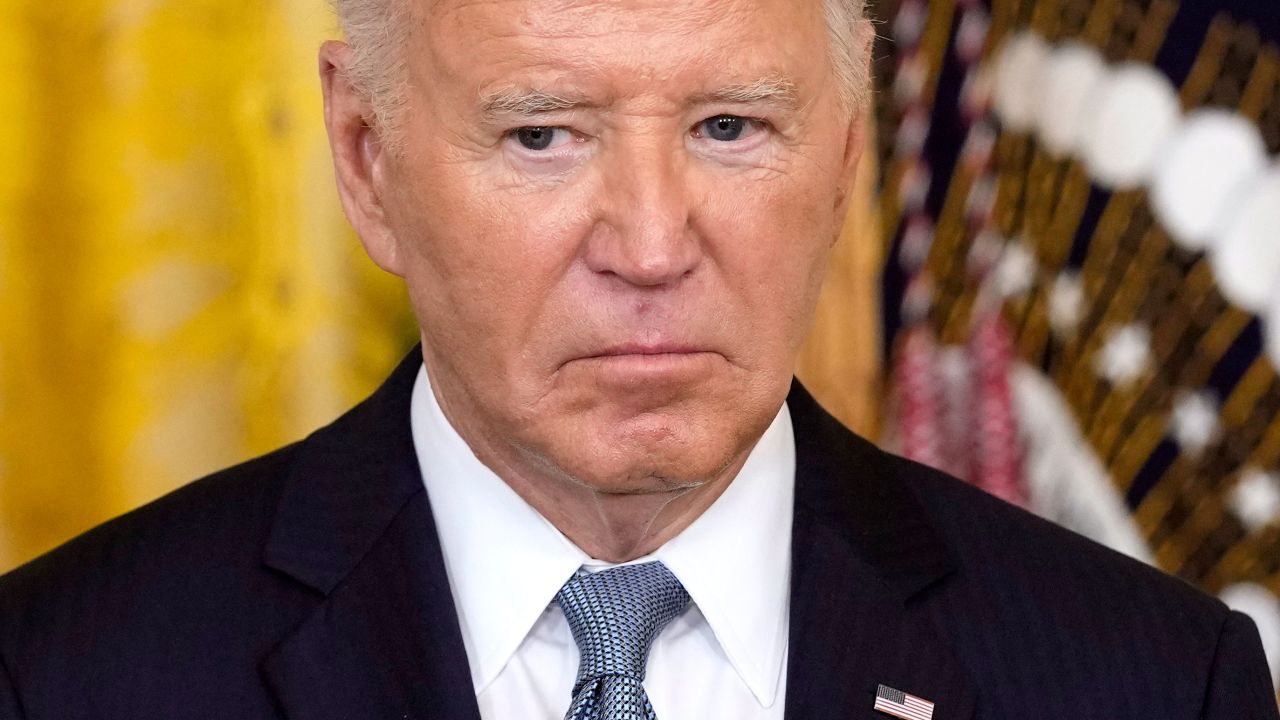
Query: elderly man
[596,492]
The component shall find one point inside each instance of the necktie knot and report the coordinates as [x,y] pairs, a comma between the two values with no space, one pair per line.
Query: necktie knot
[615,615]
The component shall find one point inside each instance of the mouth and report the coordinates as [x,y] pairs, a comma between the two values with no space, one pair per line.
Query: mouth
[647,350]
[632,363]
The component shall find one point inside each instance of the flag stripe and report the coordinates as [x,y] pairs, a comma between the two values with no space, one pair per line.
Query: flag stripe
[898,711]
[905,715]
[903,712]
[901,705]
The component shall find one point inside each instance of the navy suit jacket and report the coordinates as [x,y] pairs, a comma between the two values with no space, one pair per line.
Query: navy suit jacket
[309,584]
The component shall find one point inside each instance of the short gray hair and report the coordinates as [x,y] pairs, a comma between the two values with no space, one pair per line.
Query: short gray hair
[378,32]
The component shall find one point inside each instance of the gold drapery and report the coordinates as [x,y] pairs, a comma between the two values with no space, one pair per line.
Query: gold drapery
[840,361]
[178,288]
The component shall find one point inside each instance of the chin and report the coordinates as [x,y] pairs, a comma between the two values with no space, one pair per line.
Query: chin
[648,453]
[655,436]
[642,475]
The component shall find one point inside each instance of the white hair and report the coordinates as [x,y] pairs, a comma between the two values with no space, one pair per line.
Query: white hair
[378,33]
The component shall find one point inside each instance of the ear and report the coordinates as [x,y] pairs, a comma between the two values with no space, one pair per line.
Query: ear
[359,159]
[855,144]
[856,136]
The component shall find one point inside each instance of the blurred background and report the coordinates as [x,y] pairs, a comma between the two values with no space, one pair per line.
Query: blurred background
[179,288]
[1058,280]
[1080,204]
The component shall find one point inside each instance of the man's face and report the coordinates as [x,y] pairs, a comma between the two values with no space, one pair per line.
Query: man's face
[613,217]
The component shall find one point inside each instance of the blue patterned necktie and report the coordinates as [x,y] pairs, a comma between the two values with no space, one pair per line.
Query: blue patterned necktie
[615,614]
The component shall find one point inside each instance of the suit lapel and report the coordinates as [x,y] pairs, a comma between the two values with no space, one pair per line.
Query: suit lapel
[863,556]
[354,524]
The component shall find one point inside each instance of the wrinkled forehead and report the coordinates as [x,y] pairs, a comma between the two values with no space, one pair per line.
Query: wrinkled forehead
[485,40]
[608,17]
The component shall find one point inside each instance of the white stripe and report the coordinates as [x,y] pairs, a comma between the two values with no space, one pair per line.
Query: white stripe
[920,710]
[899,711]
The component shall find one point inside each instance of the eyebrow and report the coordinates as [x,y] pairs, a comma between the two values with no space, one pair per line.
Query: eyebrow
[508,102]
[526,102]
[775,90]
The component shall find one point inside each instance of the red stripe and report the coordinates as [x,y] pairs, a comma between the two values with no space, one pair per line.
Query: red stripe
[904,714]
[910,711]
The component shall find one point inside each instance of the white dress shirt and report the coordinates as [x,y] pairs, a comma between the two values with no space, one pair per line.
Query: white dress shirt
[725,657]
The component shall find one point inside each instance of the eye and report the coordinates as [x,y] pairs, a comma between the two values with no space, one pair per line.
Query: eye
[540,138]
[726,128]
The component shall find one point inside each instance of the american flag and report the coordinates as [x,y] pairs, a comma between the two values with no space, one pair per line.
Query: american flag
[902,705]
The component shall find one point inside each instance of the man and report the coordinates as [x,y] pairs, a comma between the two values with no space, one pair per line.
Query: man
[595,492]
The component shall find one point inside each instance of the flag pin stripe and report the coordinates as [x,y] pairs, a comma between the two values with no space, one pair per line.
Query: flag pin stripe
[899,704]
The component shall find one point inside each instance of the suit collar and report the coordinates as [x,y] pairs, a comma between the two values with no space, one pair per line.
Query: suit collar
[852,489]
[347,483]
[863,556]
[353,523]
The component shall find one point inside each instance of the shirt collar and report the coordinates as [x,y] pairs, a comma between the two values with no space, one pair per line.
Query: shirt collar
[735,561]
[506,562]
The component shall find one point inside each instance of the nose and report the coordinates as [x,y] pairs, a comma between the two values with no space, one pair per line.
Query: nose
[644,234]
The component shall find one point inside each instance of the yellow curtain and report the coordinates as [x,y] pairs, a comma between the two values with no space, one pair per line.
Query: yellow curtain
[840,362]
[178,288]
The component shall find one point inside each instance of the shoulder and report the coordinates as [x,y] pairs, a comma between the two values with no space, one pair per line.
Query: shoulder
[996,549]
[988,535]
[191,525]
[174,567]
[173,606]
[1033,604]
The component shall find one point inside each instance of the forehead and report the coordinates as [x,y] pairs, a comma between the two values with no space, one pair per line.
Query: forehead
[622,42]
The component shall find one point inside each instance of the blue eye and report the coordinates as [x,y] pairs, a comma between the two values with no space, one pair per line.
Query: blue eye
[536,138]
[723,128]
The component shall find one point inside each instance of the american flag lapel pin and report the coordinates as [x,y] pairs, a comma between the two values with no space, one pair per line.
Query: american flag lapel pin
[901,705]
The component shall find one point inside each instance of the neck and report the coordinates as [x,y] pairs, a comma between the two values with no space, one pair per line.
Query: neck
[615,526]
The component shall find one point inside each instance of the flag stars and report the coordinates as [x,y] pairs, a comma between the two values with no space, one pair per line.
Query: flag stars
[1016,271]
[1255,499]
[1194,424]
[1125,356]
[1066,304]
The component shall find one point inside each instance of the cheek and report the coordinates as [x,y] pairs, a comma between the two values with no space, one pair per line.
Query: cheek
[484,265]
[772,238]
